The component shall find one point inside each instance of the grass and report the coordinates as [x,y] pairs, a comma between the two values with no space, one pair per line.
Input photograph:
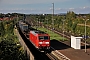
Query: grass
[53,36]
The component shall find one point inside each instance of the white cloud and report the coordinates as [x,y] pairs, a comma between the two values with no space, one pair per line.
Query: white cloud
[71,8]
[58,8]
[84,7]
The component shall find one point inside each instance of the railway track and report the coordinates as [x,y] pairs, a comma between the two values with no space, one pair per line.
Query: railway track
[55,55]
[51,56]
[59,33]
[58,55]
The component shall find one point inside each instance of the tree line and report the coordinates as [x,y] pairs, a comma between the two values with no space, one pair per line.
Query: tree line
[70,21]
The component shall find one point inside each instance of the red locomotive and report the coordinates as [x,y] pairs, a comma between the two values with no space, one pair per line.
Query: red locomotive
[40,40]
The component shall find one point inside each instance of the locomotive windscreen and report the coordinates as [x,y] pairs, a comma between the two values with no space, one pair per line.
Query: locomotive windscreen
[43,37]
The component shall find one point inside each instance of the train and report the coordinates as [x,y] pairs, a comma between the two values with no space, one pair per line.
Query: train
[39,39]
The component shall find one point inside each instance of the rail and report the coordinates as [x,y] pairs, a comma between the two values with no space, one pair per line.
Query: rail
[51,56]
[59,55]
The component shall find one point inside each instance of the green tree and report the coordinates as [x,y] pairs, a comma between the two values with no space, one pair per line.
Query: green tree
[74,26]
[69,25]
[2,29]
[10,51]
[70,15]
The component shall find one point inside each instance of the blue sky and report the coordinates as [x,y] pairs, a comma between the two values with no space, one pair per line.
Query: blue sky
[44,6]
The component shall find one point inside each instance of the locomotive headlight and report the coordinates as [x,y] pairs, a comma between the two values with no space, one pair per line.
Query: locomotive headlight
[47,42]
[40,42]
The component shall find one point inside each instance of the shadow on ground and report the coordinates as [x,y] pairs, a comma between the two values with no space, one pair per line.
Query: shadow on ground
[83,47]
[57,45]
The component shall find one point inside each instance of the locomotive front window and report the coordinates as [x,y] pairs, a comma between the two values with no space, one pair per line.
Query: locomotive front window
[43,37]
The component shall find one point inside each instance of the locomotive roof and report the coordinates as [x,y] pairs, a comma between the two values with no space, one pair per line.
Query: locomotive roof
[37,32]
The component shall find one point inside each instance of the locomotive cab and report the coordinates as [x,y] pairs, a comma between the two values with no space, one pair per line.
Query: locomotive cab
[44,42]
[40,40]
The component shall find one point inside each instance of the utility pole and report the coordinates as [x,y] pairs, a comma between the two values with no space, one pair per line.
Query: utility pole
[17,18]
[63,29]
[53,15]
[85,34]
